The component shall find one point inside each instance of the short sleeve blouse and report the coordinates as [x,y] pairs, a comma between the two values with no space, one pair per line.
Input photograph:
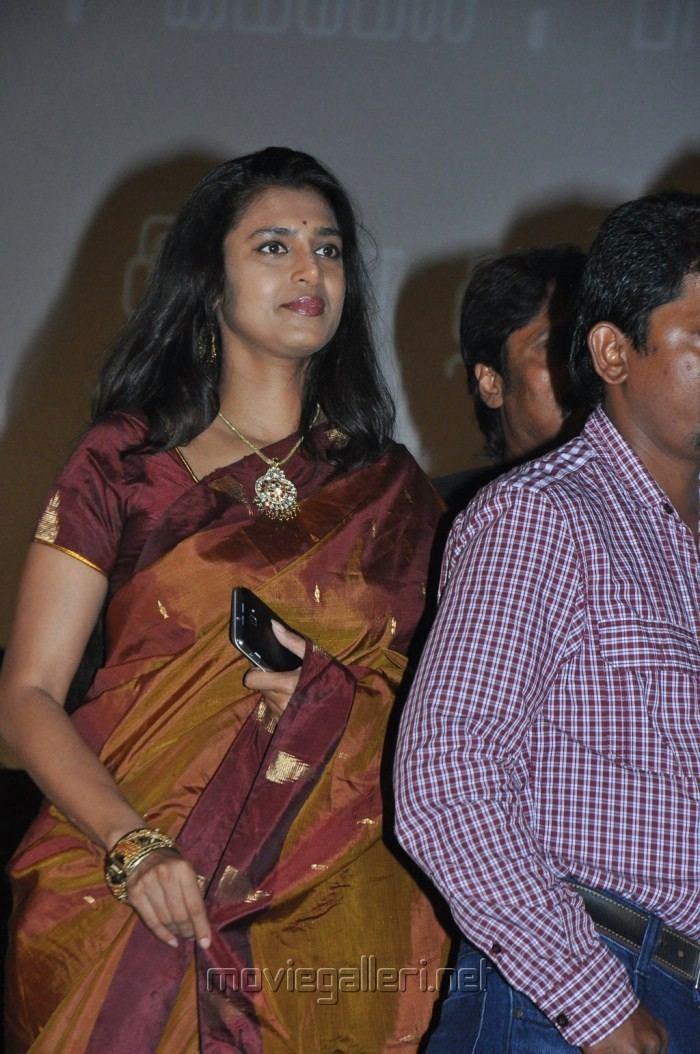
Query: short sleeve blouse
[103,505]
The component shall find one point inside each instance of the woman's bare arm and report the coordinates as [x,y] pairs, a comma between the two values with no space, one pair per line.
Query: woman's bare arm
[59,602]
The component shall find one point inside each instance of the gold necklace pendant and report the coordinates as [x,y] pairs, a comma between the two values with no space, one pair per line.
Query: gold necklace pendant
[275,495]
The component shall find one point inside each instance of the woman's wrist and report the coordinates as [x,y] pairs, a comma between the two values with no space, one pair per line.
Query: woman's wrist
[131,821]
[128,852]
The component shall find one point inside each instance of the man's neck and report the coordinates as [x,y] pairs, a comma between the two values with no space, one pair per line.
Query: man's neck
[677,477]
[683,495]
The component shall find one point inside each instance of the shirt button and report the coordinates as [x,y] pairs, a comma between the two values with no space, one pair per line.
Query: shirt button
[561,1021]
[496,949]
[668,508]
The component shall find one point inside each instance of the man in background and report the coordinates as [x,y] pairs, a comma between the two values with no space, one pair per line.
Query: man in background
[515,328]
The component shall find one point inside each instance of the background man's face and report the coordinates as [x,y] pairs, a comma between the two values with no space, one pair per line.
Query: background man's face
[531,412]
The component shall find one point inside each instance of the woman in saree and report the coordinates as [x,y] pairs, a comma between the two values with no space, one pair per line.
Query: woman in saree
[209,871]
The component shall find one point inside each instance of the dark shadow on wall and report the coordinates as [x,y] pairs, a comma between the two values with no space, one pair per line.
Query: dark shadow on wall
[50,394]
[427,350]
[681,174]
[573,220]
[426,338]
[427,341]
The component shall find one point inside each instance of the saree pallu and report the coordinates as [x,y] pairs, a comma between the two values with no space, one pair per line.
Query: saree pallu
[322,941]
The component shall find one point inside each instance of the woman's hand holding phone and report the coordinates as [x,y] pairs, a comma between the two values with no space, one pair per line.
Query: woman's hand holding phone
[277,688]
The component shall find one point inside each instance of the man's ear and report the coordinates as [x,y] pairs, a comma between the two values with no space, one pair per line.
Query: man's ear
[609,348]
[490,385]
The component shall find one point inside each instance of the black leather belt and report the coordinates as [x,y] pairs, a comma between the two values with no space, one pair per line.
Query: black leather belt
[628,925]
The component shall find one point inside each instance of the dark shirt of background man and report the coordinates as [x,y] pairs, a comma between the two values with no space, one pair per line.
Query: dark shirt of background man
[21,799]
[515,327]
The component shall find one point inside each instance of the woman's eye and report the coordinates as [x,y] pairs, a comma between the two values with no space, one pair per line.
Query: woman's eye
[330,251]
[272,248]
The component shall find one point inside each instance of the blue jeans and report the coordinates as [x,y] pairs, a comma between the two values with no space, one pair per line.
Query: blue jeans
[487,1016]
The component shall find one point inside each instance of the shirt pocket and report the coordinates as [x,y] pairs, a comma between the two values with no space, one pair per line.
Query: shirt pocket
[654,670]
[639,644]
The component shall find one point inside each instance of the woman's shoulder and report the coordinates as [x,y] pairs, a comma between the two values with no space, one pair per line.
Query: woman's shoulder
[406,474]
[115,433]
[100,451]
[401,458]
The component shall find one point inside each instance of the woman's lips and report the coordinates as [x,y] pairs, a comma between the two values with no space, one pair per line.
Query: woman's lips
[306,305]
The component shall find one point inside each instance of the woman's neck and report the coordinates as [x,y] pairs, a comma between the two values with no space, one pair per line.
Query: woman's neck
[263,405]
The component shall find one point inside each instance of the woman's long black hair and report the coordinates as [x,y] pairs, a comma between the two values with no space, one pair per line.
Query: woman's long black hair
[159,366]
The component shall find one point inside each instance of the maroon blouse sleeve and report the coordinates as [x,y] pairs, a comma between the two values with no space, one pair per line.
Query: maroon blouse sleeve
[85,510]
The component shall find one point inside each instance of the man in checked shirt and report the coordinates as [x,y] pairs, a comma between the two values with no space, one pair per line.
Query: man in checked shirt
[548,766]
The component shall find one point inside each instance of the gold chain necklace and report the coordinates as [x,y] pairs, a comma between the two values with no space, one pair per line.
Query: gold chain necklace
[275,495]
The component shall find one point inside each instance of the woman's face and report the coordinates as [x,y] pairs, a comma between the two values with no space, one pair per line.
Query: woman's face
[284,280]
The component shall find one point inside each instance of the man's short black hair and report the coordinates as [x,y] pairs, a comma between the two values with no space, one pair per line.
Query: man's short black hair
[641,254]
[503,295]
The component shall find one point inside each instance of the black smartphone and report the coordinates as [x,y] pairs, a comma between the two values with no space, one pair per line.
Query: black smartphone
[251,632]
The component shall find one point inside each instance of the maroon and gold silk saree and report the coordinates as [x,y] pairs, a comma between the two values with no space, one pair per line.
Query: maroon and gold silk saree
[322,941]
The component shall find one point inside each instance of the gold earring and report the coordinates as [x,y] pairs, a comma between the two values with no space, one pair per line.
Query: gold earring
[210,353]
[213,349]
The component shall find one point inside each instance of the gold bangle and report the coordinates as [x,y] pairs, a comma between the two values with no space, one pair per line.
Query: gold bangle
[127,853]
